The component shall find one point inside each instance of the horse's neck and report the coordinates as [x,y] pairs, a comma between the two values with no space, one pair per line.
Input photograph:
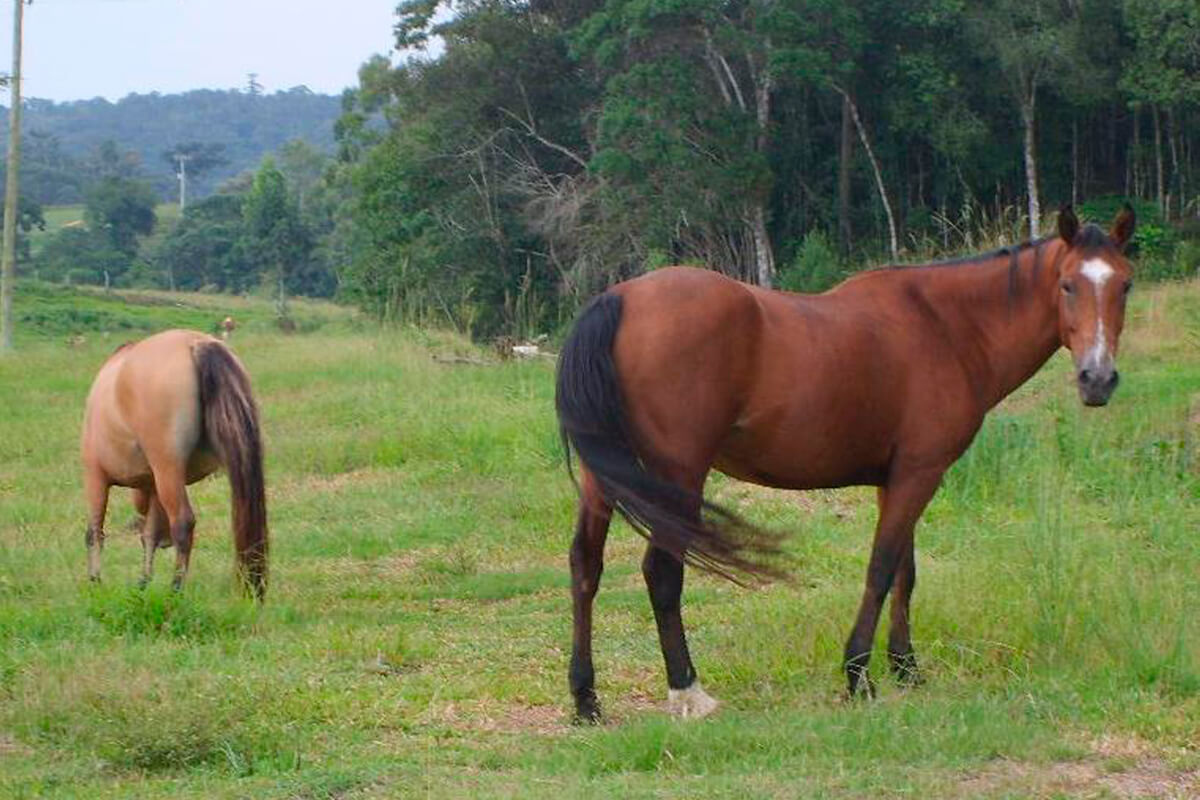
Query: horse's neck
[1004,321]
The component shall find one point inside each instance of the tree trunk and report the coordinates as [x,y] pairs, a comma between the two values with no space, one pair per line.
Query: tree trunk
[845,154]
[1028,109]
[1159,189]
[893,240]
[1074,161]
[764,256]
[1135,160]
[1175,188]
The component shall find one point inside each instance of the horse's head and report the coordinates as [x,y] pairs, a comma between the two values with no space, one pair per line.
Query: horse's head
[1094,280]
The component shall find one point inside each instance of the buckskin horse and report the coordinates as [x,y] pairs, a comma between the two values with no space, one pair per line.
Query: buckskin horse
[162,413]
[882,381]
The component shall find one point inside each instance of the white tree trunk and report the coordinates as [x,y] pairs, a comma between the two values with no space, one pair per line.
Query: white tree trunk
[883,198]
[1160,189]
[1031,177]
[764,255]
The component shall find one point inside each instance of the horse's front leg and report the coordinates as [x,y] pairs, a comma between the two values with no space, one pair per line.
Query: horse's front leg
[900,505]
[900,651]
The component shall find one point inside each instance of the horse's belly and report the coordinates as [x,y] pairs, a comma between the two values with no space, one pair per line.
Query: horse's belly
[800,477]
[805,462]
[201,464]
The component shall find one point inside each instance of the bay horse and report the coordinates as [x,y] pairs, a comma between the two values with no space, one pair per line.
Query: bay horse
[882,381]
[162,413]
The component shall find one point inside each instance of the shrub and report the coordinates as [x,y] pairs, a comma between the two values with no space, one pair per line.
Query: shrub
[815,268]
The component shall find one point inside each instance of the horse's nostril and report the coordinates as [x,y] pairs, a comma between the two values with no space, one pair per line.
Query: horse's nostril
[1085,376]
[1112,379]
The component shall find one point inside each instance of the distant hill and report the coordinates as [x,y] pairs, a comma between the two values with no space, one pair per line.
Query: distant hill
[60,137]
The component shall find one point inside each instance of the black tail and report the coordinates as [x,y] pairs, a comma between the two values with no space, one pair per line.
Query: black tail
[231,428]
[592,419]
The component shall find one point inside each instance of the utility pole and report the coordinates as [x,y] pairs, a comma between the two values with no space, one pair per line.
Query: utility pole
[182,158]
[9,256]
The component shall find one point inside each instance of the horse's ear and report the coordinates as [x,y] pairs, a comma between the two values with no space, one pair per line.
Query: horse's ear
[1122,227]
[1068,224]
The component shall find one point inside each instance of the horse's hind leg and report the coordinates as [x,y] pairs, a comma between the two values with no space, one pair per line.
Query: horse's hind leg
[664,580]
[96,489]
[900,506]
[172,494]
[155,533]
[587,563]
[663,573]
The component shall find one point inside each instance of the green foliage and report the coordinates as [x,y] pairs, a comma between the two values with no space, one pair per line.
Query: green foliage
[119,210]
[815,268]
[205,250]
[79,255]
[275,241]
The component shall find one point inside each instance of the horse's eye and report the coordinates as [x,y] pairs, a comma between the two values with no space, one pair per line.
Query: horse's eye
[1067,288]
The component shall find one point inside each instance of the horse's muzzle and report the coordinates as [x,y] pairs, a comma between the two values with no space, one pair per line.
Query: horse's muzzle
[1097,385]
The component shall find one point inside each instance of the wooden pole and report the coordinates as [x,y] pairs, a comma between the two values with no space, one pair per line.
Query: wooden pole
[8,259]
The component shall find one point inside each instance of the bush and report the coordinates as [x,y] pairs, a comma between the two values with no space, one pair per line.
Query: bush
[815,268]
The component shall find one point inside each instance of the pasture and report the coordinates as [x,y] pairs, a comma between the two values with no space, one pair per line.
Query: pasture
[415,637]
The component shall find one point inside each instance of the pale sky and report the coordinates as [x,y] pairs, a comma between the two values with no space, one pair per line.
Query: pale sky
[79,49]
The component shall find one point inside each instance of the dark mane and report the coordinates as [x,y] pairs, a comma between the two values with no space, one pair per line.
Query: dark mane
[958,261]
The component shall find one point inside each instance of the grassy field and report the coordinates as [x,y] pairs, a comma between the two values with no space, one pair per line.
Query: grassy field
[414,641]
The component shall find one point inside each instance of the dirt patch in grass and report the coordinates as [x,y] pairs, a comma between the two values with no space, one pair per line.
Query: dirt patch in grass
[11,747]
[1118,767]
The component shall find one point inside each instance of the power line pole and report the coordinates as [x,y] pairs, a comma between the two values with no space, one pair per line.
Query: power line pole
[182,159]
[9,256]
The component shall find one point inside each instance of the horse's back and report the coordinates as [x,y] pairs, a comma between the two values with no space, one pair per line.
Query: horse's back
[145,406]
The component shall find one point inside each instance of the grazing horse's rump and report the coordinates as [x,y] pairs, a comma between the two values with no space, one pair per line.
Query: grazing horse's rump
[882,381]
[163,413]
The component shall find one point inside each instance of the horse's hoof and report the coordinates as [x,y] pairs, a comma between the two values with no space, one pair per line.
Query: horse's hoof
[94,579]
[587,709]
[861,688]
[905,669]
[589,715]
[691,703]
[143,582]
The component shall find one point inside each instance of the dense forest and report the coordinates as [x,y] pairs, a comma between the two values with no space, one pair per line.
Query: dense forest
[550,147]
[555,146]
[61,140]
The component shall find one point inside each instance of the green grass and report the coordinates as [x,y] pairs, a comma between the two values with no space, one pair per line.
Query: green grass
[415,637]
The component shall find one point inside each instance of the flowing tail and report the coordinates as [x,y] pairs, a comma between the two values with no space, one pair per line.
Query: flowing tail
[232,431]
[592,419]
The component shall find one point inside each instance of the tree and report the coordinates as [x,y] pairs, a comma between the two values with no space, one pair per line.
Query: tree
[206,249]
[121,210]
[1164,74]
[1033,42]
[274,237]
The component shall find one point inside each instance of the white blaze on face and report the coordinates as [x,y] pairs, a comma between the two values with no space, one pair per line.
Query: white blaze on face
[1097,271]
